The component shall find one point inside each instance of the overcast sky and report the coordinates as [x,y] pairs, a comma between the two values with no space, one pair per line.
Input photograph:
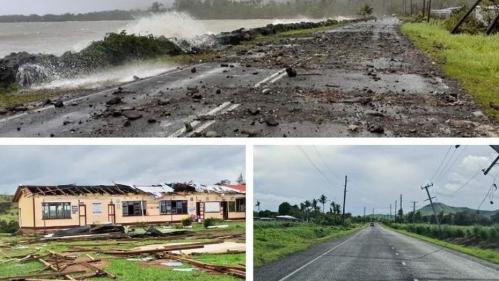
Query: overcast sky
[8,7]
[140,165]
[377,175]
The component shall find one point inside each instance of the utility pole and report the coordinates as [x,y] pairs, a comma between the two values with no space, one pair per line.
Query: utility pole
[431,203]
[401,210]
[364,212]
[344,197]
[429,10]
[496,148]
[395,211]
[390,211]
[413,211]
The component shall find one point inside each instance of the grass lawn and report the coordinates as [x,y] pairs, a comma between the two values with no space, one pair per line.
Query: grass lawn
[486,254]
[473,60]
[275,240]
[133,271]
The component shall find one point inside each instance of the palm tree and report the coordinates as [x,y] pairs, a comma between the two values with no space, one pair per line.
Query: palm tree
[314,204]
[323,200]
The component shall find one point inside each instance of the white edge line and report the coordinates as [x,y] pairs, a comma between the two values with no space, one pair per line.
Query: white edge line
[323,254]
[76,99]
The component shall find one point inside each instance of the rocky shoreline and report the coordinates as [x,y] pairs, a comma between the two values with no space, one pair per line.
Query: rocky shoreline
[24,69]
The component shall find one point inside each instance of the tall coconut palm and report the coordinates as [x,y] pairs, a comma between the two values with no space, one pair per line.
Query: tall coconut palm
[323,200]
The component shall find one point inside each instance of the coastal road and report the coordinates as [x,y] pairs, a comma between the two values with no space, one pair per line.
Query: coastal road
[357,80]
[377,253]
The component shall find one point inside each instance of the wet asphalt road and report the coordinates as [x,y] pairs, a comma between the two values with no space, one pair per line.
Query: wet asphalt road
[376,253]
[358,80]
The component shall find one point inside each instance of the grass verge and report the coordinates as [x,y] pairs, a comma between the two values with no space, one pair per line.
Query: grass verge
[275,240]
[485,254]
[473,60]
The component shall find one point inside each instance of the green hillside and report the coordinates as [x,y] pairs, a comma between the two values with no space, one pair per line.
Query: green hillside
[441,207]
[8,209]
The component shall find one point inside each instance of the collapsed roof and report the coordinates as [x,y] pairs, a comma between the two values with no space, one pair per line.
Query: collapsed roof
[122,189]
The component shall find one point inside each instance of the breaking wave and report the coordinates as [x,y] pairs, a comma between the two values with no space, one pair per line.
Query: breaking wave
[109,77]
[170,24]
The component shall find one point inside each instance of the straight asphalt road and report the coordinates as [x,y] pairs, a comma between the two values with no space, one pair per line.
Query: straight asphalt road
[377,253]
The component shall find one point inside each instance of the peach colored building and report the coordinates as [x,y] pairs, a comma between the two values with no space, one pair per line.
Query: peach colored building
[43,208]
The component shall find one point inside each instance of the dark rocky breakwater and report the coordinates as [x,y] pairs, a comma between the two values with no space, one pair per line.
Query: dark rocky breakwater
[24,69]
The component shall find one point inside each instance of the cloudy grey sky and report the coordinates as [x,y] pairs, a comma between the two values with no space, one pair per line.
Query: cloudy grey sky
[377,175]
[8,7]
[140,165]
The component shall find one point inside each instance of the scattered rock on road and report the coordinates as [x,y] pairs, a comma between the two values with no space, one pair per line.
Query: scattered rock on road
[114,101]
[271,121]
[132,115]
[291,72]
[59,104]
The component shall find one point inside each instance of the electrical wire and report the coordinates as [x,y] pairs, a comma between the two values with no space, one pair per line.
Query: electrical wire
[441,163]
[315,166]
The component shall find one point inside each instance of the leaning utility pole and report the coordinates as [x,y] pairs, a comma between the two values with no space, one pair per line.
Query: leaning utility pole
[496,148]
[431,203]
[344,198]
[429,10]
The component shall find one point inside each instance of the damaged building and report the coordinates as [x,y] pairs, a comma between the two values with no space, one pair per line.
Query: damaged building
[43,208]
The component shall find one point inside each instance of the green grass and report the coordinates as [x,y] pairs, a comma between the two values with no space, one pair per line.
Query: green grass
[222,259]
[16,269]
[133,271]
[486,254]
[275,240]
[473,60]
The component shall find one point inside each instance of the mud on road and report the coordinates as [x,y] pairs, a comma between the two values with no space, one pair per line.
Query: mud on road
[358,80]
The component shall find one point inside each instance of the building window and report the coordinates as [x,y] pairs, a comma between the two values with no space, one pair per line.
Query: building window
[55,211]
[212,207]
[96,208]
[177,207]
[241,205]
[134,208]
[232,206]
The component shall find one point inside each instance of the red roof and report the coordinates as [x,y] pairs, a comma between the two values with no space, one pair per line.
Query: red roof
[239,187]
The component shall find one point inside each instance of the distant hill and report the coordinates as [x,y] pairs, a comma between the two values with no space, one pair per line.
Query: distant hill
[8,209]
[439,207]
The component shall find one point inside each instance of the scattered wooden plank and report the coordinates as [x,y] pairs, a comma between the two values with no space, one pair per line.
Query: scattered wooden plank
[152,251]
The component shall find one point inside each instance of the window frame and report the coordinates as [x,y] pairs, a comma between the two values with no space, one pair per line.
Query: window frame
[241,207]
[125,205]
[170,207]
[66,211]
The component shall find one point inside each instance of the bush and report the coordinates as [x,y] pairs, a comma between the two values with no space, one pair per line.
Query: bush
[208,222]
[8,226]
[186,222]
[470,26]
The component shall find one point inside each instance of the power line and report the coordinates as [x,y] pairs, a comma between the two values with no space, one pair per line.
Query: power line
[315,166]
[450,162]
[324,162]
[441,163]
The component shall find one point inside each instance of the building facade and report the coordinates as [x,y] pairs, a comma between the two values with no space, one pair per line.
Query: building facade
[43,208]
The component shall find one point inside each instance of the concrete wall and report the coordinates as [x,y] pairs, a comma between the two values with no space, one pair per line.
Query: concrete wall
[100,215]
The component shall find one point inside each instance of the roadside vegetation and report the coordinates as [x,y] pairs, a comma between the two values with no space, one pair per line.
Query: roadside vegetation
[491,255]
[465,230]
[295,228]
[8,215]
[471,59]
[275,240]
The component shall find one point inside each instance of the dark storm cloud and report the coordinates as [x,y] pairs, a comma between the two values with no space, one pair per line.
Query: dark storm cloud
[141,165]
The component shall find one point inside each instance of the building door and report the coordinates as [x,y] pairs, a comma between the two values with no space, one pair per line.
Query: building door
[225,210]
[83,215]
[111,211]
[200,211]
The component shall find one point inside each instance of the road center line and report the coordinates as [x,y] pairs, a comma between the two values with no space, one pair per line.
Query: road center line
[315,259]
[269,78]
